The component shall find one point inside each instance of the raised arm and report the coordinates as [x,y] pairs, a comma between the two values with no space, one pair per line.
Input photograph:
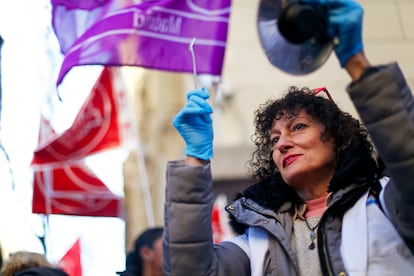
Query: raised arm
[384,102]
[188,247]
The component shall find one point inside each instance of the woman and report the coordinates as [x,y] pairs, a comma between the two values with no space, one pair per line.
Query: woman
[321,205]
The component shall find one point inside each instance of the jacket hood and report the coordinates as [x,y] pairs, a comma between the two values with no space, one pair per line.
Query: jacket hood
[270,193]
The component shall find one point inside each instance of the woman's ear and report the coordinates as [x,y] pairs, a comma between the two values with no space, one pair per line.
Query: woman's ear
[146,253]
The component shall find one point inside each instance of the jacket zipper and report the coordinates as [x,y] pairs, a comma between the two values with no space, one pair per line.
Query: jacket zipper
[326,261]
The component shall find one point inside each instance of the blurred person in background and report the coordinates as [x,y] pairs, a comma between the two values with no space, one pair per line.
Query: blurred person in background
[146,257]
[23,262]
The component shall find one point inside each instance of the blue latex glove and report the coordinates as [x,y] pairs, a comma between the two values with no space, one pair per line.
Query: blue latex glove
[194,124]
[344,23]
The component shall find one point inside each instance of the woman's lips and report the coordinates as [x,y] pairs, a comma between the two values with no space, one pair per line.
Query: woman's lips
[290,159]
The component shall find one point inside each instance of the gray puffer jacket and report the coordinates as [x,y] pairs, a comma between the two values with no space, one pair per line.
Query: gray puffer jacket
[385,105]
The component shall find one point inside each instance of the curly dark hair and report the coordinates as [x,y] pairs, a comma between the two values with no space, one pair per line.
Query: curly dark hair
[350,137]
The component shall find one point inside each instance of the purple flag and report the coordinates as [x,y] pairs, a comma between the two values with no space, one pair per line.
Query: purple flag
[152,34]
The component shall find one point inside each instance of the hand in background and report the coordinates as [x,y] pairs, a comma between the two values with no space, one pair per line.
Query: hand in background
[194,124]
[345,23]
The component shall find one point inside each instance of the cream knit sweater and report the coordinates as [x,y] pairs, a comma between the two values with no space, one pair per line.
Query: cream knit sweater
[308,259]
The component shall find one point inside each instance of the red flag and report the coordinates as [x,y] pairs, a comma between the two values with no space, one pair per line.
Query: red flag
[72,189]
[71,261]
[99,125]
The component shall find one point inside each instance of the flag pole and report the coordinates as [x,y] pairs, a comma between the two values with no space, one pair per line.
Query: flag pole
[191,49]
[141,167]
[142,171]
[215,90]
[48,180]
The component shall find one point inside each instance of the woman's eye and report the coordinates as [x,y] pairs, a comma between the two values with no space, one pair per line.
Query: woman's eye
[299,126]
[274,140]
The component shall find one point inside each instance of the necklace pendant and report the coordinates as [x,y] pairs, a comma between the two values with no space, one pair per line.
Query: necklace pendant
[312,246]
[312,235]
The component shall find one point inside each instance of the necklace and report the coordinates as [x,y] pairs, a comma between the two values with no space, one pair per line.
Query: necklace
[312,234]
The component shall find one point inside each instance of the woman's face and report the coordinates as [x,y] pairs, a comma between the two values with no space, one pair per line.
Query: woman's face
[302,157]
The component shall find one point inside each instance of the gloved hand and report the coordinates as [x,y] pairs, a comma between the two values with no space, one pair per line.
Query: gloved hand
[344,23]
[194,124]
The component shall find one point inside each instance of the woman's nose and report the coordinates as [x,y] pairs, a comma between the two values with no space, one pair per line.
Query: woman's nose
[284,143]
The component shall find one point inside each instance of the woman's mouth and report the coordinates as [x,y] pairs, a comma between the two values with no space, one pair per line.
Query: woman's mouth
[290,159]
